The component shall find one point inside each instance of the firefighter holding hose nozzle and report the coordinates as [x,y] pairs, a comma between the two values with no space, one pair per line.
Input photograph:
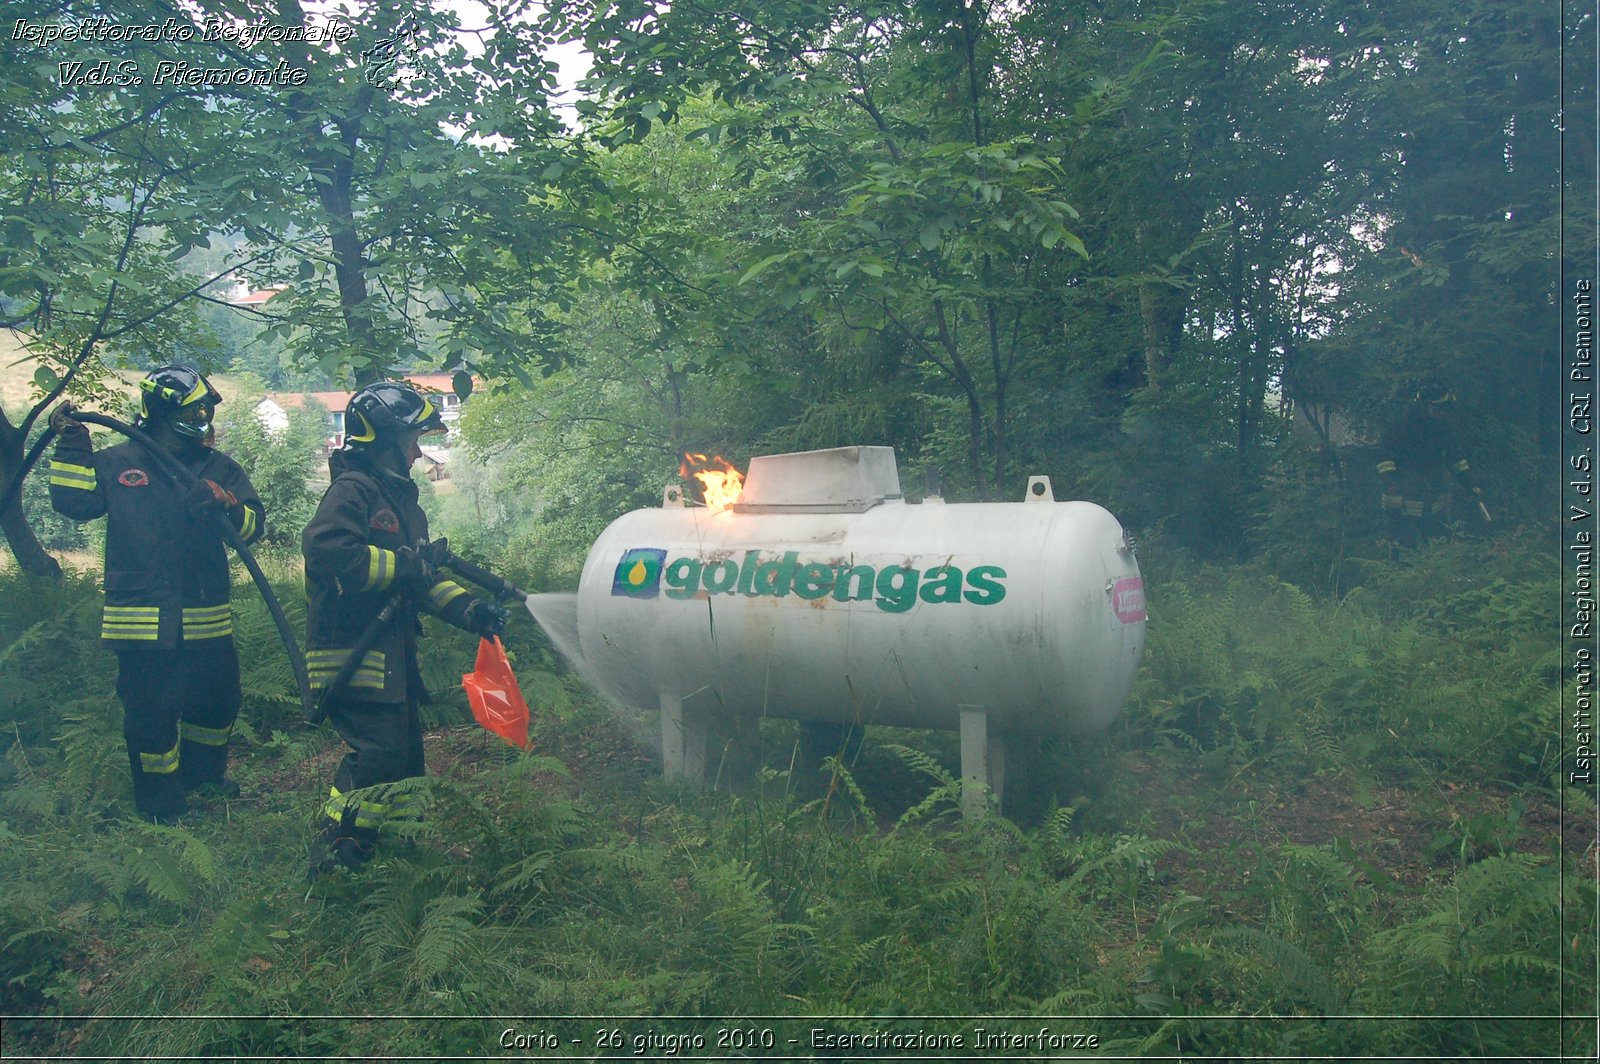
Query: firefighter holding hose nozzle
[167,615]
[369,570]
[1419,466]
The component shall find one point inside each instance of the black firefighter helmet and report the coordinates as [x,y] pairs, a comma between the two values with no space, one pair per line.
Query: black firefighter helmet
[388,413]
[180,396]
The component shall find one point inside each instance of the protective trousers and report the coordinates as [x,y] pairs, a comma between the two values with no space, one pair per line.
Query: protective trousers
[178,709]
[385,740]
[1413,521]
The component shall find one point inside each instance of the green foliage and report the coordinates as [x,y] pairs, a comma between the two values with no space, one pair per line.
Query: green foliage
[1187,262]
[270,698]
[279,464]
[50,654]
[1384,681]
[1301,973]
[1488,943]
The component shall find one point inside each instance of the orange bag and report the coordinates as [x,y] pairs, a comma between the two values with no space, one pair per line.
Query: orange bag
[495,697]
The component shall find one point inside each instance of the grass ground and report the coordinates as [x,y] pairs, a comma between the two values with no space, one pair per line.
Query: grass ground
[1248,844]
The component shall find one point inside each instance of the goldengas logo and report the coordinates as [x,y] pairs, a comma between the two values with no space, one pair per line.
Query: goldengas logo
[892,588]
[638,574]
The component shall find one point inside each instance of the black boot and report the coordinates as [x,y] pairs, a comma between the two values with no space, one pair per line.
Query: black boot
[169,817]
[159,798]
[334,848]
[224,788]
[352,853]
[322,860]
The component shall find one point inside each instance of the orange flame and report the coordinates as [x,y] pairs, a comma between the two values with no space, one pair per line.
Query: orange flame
[719,481]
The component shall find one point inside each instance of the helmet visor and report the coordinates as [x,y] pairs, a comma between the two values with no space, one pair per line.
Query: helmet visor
[428,419]
[194,420]
[411,442]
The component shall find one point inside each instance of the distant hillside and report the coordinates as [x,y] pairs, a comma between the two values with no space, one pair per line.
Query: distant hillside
[17,368]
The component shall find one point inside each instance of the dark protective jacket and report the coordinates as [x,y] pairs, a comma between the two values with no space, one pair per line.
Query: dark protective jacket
[1418,459]
[365,516]
[166,571]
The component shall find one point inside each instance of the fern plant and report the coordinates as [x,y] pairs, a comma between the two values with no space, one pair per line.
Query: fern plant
[1294,970]
[1488,943]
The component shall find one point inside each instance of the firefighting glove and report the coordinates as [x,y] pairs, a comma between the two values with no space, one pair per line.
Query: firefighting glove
[436,553]
[1483,511]
[485,618]
[412,571]
[208,498]
[71,433]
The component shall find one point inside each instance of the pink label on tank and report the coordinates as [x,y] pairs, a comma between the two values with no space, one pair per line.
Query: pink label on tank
[1127,599]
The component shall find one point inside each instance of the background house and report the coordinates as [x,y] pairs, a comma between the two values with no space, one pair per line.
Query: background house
[243,296]
[273,412]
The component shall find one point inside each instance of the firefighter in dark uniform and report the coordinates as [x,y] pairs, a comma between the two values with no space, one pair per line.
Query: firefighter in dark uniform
[1420,466]
[367,544]
[167,584]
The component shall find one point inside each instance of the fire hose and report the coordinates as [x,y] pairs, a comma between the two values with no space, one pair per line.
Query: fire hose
[477,574]
[184,480]
[439,555]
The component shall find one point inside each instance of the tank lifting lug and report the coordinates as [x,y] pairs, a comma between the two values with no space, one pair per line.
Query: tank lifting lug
[1039,490]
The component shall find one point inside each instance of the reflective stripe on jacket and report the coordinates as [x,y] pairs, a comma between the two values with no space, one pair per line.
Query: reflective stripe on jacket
[350,551]
[166,571]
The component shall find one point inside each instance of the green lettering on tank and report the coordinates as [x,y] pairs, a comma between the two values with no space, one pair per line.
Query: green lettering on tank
[892,588]
[682,577]
[720,576]
[897,588]
[774,578]
[942,584]
[843,576]
[814,581]
[984,584]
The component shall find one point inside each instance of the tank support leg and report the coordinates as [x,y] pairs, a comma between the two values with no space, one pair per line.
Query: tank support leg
[983,763]
[997,768]
[683,740]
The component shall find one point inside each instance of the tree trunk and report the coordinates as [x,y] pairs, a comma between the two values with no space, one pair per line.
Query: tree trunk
[31,557]
[1001,378]
[349,270]
[975,444]
[963,376]
[1244,426]
[349,254]
[335,163]
[1161,310]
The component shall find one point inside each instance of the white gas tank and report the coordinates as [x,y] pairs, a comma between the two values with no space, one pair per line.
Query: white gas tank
[822,595]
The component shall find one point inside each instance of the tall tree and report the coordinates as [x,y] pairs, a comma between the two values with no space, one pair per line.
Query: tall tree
[909,221]
[108,174]
[369,155]
[1456,275]
[423,158]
